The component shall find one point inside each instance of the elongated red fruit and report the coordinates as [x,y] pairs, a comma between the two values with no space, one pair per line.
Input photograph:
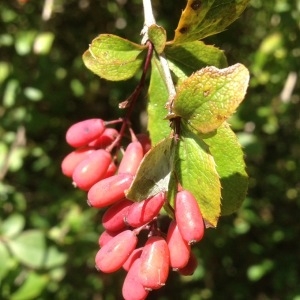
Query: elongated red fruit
[112,169]
[82,133]
[70,162]
[105,139]
[179,249]
[113,218]
[188,217]
[132,158]
[92,169]
[135,254]
[155,263]
[140,213]
[109,190]
[114,253]
[191,266]
[107,236]
[144,139]
[132,289]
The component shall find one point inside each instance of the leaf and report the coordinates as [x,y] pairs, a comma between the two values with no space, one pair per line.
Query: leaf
[114,58]
[12,225]
[32,287]
[196,171]
[5,262]
[185,59]
[228,155]
[158,37]
[153,175]
[210,96]
[202,18]
[29,248]
[158,127]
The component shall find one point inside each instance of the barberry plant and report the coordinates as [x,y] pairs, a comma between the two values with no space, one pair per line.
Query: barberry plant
[189,165]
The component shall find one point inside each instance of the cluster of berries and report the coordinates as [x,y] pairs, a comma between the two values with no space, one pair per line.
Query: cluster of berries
[93,168]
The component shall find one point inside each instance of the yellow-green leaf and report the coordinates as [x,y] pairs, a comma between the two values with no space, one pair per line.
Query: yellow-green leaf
[114,58]
[196,171]
[157,35]
[228,155]
[202,18]
[210,96]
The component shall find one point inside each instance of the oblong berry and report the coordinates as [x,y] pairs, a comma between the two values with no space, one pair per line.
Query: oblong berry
[190,267]
[132,289]
[132,158]
[82,133]
[105,139]
[70,162]
[188,217]
[135,254]
[179,249]
[140,213]
[114,253]
[106,236]
[113,218]
[144,139]
[92,169]
[155,263]
[109,190]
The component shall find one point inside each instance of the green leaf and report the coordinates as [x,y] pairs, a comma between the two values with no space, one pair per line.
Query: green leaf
[228,155]
[210,96]
[13,225]
[31,288]
[158,37]
[114,58]
[5,262]
[202,18]
[154,173]
[187,58]
[29,248]
[196,171]
[158,127]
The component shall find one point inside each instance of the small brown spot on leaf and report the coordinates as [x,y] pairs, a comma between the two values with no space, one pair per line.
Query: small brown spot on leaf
[183,29]
[196,4]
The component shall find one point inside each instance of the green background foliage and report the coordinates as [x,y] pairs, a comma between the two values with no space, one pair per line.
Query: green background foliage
[48,235]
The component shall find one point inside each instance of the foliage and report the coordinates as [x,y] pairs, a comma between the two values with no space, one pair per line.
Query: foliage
[45,88]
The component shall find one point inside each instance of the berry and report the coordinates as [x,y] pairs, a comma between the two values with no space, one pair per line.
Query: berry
[105,139]
[145,141]
[109,190]
[113,218]
[188,217]
[70,162]
[155,263]
[179,249]
[191,266]
[107,236]
[131,159]
[114,253]
[132,289]
[140,213]
[82,133]
[136,253]
[92,169]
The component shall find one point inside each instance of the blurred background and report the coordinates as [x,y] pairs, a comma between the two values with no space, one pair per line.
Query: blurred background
[48,235]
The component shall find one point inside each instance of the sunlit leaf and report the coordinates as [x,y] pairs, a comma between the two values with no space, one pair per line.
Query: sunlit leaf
[154,173]
[208,97]
[158,36]
[114,58]
[12,225]
[202,18]
[196,171]
[228,155]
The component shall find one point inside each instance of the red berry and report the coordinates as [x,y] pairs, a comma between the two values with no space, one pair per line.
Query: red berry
[144,139]
[105,139]
[114,253]
[132,288]
[82,133]
[155,263]
[112,169]
[135,254]
[131,159]
[109,190]
[140,213]
[70,162]
[179,249]
[188,217]
[191,266]
[113,218]
[92,169]
[107,236]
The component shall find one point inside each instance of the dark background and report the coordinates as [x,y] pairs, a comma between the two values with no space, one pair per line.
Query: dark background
[44,88]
